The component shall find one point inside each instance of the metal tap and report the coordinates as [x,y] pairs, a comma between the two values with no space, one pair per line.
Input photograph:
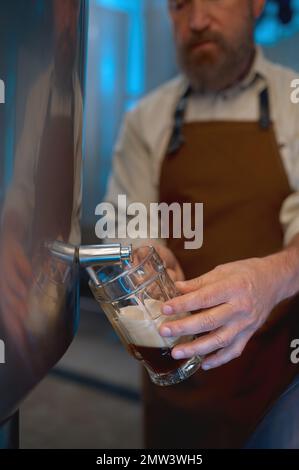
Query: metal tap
[90,255]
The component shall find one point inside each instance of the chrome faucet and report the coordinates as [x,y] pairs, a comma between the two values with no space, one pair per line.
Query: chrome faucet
[90,255]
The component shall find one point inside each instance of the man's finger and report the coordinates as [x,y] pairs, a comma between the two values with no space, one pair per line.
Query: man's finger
[194,284]
[212,276]
[223,356]
[220,339]
[202,322]
[207,297]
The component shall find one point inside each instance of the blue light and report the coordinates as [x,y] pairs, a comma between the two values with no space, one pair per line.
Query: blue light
[119,5]
[136,47]
[267,33]
[136,50]
[107,70]
[270,30]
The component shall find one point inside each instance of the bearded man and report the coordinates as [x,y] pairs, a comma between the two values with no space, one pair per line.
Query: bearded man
[225,134]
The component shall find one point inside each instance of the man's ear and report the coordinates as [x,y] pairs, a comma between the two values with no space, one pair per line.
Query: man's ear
[258,7]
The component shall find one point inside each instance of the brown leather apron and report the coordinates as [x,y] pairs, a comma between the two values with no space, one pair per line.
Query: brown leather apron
[235,169]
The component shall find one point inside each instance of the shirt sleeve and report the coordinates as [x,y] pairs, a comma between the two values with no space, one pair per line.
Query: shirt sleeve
[133,177]
[289,214]
[289,217]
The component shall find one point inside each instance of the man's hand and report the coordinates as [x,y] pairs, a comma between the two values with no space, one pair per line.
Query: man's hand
[235,299]
[170,262]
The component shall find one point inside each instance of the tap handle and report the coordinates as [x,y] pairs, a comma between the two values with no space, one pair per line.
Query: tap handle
[90,255]
[104,254]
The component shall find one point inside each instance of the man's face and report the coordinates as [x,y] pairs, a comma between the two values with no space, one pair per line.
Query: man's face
[214,39]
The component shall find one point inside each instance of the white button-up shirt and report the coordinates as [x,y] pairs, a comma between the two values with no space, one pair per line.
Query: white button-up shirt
[146,131]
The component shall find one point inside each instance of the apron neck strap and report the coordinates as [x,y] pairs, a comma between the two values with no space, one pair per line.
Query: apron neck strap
[265,113]
[177,138]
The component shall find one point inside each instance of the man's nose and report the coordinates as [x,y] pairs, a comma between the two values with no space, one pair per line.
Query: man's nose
[199,18]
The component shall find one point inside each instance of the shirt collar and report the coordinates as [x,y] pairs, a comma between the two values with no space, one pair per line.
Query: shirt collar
[258,70]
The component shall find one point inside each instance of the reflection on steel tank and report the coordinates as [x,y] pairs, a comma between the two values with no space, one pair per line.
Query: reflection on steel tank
[42,68]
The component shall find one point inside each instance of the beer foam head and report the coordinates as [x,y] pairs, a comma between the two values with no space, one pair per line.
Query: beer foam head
[142,322]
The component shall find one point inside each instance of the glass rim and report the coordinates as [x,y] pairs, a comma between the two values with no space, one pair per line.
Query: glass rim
[151,250]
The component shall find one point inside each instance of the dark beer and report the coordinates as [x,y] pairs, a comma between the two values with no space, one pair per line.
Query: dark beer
[158,359]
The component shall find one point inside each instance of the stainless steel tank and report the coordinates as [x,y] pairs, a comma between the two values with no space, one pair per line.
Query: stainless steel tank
[42,70]
[42,53]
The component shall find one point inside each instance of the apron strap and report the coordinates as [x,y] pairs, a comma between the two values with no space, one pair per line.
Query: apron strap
[177,139]
[265,115]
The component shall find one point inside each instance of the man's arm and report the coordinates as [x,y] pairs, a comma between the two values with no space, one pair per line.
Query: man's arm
[133,176]
[237,299]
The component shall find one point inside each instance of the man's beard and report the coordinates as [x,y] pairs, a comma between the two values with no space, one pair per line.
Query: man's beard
[210,73]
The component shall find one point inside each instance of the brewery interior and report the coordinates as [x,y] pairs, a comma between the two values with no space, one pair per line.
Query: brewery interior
[92,397]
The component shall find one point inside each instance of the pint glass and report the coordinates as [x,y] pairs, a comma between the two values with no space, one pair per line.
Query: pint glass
[131,295]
